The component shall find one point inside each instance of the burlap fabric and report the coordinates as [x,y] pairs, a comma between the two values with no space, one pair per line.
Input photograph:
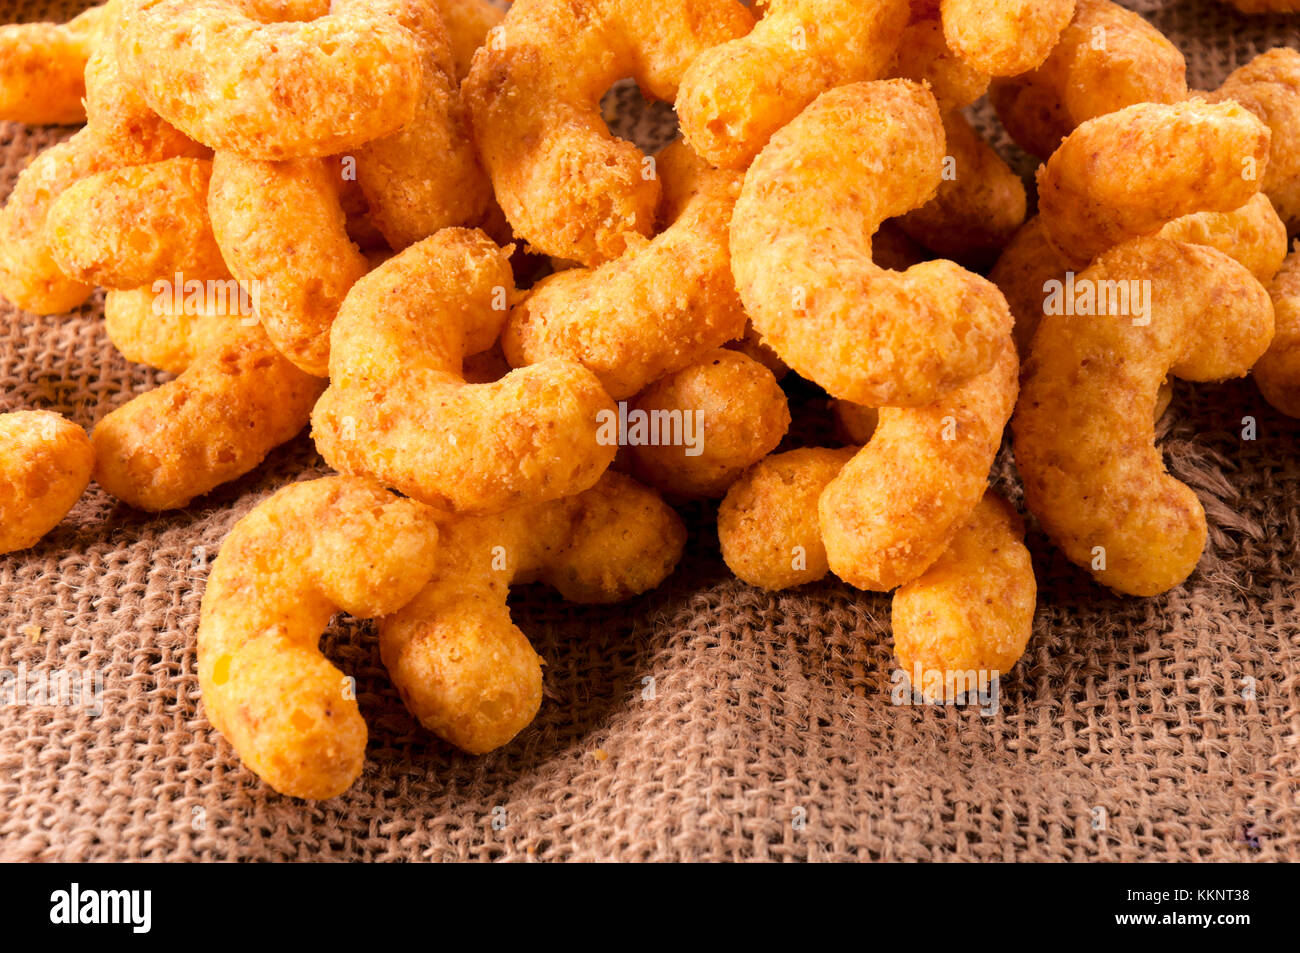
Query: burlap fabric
[706,720]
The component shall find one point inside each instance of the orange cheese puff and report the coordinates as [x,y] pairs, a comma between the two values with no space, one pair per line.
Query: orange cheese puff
[894,508]
[461,666]
[706,424]
[282,230]
[853,422]
[1004,37]
[468,24]
[297,558]
[426,175]
[147,329]
[45,465]
[568,187]
[802,257]
[736,95]
[977,208]
[1108,58]
[1084,430]
[656,308]
[923,55]
[1269,86]
[398,408]
[127,227]
[752,345]
[43,66]
[272,90]
[1278,372]
[767,523]
[1127,173]
[973,610]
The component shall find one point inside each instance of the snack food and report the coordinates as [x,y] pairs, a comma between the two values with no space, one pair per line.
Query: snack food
[1084,428]
[568,187]
[153,332]
[45,464]
[461,666]
[468,23]
[43,65]
[309,551]
[1278,372]
[853,422]
[801,253]
[1004,37]
[397,408]
[924,56]
[657,307]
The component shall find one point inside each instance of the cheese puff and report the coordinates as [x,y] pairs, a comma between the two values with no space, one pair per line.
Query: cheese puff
[895,507]
[656,308]
[288,566]
[752,345]
[736,95]
[1278,372]
[767,523]
[973,609]
[1127,173]
[570,188]
[853,422]
[802,257]
[924,56]
[146,328]
[43,66]
[1004,37]
[713,419]
[1108,58]
[468,24]
[281,229]
[45,466]
[399,410]
[461,666]
[1084,430]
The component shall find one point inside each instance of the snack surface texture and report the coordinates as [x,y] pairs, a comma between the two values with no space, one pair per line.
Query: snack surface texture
[45,466]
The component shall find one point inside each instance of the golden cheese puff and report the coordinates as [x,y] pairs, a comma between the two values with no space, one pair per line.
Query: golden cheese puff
[461,666]
[1108,58]
[1278,372]
[398,408]
[1127,173]
[973,609]
[767,523]
[710,421]
[656,308]
[570,188]
[43,66]
[924,56]
[1004,37]
[146,327]
[45,466]
[894,507]
[801,253]
[468,24]
[297,558]
[1084,428]
[854,423]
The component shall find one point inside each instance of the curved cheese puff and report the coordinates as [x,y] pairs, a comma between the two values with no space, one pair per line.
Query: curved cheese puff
[426,175]
[1278,372]
[656,308]
[924,56]
[802,259]
[894,508]
[1108,58]
[272,90]
[462,667]
[853,422]
[126,227]
[736,95]
[45,466]
[288,566]
[1084,429]
[146,327]
[1004,37]
[973,609]
[1127,173]
[398,408]
[282,230]
[43,66]
[712,420]
[468,24]
[568,187]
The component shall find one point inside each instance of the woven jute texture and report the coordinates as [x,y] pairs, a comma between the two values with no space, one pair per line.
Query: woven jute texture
[705,720]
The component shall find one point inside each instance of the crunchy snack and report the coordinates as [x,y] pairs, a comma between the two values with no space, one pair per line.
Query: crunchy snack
[657,307]
[309,551]
[398,408]
[1278,372]
[1004,37]
[468,23]
[853,422]
[462,667]
[802,258]
[1084,428]
[568,187]
[146,327]
[924,56]
[43,66]
[45,465]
